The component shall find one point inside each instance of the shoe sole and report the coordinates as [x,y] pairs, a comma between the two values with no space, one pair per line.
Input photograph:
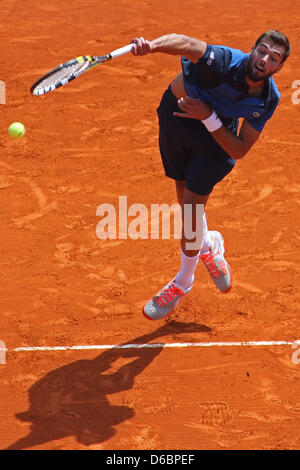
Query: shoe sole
[230,287]
[154,319]
[229,267]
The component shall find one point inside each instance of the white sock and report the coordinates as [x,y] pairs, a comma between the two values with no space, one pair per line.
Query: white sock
[186,274]
[207,242]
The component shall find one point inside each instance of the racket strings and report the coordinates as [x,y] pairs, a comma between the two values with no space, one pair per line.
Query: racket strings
[61,76]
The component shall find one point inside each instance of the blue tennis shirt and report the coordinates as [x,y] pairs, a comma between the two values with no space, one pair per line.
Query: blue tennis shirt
[218,79]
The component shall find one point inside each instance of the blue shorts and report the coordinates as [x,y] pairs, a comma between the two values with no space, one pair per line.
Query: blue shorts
[188,150]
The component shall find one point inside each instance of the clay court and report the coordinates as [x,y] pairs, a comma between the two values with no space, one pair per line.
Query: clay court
[61,286]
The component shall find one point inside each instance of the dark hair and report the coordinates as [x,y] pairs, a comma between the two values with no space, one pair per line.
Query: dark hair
[278,38]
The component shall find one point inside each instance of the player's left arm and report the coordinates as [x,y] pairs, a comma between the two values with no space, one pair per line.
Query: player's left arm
[237,146]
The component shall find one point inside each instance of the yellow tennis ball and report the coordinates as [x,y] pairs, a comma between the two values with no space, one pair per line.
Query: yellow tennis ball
[16,129]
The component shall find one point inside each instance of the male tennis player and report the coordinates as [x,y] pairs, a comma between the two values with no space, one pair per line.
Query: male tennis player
[199,139]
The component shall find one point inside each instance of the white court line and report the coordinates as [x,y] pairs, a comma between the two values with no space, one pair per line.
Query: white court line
[157,345]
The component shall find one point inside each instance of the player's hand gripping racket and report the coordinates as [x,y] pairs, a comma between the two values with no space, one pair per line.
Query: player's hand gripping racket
[67,71]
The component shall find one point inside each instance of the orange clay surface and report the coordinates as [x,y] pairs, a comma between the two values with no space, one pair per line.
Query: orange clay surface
[89,143]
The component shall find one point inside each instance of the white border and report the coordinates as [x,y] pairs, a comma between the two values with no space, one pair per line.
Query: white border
[156,345]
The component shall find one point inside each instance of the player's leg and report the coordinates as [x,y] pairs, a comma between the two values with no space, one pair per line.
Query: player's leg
[180,188]
[204,172]
[192,205]
[206,245]
[172,144]
[164,302]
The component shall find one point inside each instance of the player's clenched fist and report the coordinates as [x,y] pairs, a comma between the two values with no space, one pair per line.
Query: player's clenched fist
[141,46]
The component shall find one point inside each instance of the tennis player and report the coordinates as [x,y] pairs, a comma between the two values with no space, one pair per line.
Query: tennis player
[200,140]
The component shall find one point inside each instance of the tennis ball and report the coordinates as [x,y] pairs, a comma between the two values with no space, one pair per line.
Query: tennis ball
[16,129]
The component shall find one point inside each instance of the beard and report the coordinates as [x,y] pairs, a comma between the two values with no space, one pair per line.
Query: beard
[253,73]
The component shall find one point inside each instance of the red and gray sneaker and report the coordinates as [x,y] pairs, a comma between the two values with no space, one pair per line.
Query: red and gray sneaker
[217,265]
[164,302]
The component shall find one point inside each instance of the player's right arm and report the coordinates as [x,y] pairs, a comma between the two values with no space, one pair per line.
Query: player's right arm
[174,44]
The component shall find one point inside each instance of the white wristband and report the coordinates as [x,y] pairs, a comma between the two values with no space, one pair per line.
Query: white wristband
[213,122]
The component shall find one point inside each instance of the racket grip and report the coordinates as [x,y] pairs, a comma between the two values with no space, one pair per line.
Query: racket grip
[121,51]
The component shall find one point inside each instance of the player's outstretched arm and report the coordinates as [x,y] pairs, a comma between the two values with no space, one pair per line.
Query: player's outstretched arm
[174,44]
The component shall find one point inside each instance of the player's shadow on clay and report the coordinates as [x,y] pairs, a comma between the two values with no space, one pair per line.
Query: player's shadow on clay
[72,400]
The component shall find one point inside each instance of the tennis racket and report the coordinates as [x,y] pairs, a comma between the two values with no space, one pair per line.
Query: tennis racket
[67,71]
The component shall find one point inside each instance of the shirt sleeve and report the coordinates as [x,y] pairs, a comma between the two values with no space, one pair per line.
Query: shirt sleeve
[260,122]
[212,67]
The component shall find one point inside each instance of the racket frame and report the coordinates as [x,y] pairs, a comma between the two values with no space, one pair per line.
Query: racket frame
[87,61]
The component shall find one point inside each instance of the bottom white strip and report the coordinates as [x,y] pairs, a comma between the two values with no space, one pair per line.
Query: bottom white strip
[160,345]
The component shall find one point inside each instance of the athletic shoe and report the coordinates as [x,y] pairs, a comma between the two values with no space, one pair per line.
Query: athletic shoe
[217,265]
[164,302]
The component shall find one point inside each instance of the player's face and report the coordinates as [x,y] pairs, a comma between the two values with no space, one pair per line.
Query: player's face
[265,60]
